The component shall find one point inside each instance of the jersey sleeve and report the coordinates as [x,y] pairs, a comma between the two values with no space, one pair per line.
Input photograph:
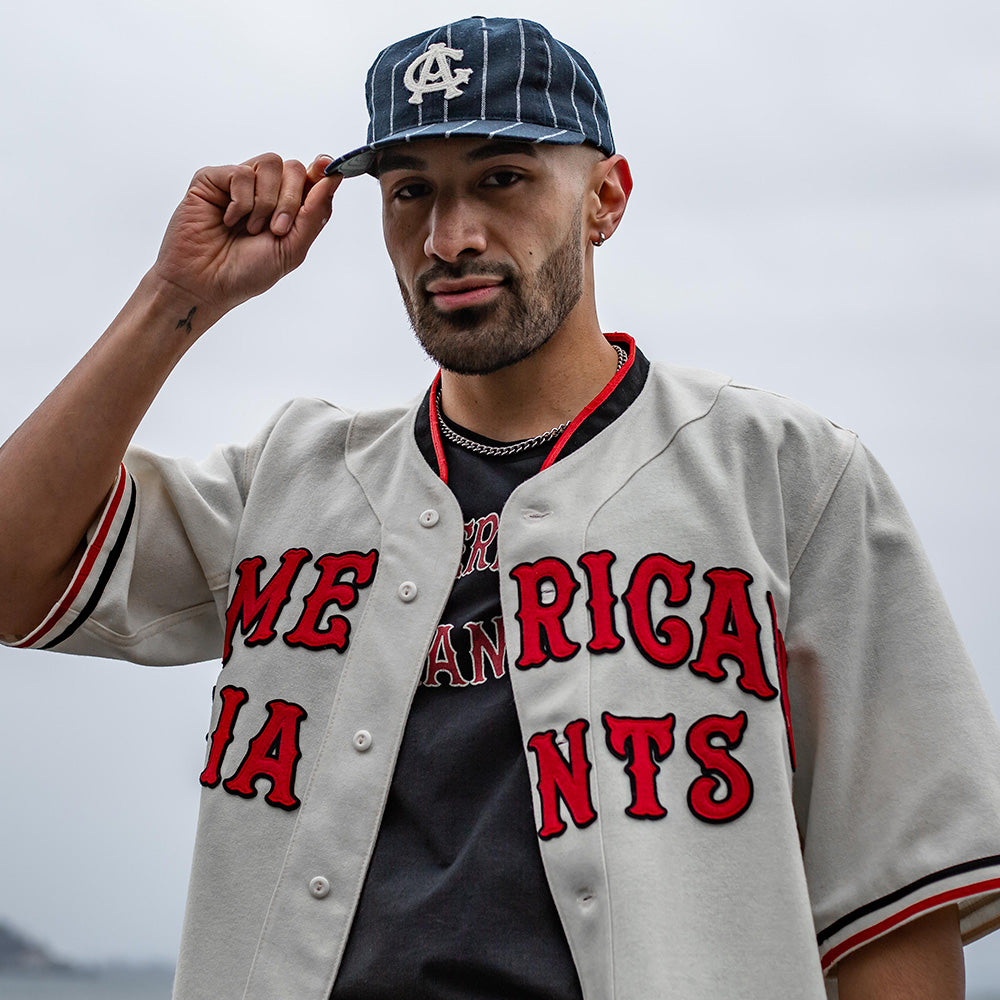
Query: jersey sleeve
[897,787]
[152,582]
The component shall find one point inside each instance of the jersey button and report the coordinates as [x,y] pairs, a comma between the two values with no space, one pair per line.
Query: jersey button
[429,518]
[362,740]
[407,591]
[319,887]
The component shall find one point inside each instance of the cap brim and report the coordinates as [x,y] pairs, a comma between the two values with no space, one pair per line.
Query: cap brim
[362,160]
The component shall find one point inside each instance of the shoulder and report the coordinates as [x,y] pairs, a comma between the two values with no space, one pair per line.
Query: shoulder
[308,422]
[310,433]
[741,403]
[756,450]
[745,420]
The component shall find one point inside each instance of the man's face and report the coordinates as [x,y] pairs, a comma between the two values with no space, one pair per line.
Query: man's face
[486,240]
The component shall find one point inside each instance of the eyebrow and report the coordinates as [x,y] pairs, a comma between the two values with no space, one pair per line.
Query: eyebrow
[393,160]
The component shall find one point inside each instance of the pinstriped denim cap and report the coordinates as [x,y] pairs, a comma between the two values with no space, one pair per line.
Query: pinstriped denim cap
[485,76]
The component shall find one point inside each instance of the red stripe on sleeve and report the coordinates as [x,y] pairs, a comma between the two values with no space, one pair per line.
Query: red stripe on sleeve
[86,565]
[889,923]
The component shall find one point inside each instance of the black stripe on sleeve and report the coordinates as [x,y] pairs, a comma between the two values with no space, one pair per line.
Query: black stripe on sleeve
[102,581]
[898,894]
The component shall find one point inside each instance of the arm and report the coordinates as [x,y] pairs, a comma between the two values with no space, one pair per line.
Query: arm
[237,231]
[921,960]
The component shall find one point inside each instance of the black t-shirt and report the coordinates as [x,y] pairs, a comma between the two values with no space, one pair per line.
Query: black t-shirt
[455,903]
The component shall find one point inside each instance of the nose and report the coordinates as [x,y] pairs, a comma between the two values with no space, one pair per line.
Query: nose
[455,229]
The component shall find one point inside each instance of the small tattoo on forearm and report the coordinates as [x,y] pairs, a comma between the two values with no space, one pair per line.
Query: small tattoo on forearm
[186,322]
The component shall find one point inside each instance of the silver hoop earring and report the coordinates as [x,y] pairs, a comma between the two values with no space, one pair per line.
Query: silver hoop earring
[599,242]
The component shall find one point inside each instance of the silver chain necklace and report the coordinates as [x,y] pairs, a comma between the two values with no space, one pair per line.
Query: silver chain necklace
[515,447]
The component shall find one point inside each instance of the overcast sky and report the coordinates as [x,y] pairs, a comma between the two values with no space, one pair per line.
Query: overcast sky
[816,210]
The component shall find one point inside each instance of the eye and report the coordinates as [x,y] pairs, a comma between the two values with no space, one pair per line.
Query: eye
[502,178]
[410,190]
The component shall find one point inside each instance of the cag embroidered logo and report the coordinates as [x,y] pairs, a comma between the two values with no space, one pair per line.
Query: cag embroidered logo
[436,73]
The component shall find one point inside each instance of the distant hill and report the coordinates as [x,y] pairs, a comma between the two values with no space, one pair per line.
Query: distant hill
[19,954]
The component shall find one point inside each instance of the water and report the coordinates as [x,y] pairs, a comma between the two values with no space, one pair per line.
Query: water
[116,984]
[137,984]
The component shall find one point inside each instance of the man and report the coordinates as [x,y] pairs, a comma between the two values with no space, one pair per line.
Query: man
[755,751]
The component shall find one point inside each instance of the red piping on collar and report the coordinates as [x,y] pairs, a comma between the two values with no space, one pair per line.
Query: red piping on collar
[436,429]
[616,379]
[612,338]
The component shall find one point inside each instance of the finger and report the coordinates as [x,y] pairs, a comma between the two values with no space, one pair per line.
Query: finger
[312,217]
[213,185]
[240,183]
[267,170]
[317,168]
[293,179]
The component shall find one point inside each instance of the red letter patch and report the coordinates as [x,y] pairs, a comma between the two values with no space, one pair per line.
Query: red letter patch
[252,606]
[542,634]
[273,754]
[675,646]
[232,699]
[730,630]
[603,638]
[719,770]
[332,588]
[559,778]
[781,658]
[642,742]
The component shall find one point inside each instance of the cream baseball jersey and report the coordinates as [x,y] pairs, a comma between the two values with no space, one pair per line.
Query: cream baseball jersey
[753,737]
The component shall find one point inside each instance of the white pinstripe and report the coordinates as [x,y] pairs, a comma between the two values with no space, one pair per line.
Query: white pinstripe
[410,133]
[504,129]
[372,96]
[486,66]
[420,107]
[548,84]
[572,90]
[551,135]
[597,121]
[392,97]
[444,103]
[458,128]
[520,75]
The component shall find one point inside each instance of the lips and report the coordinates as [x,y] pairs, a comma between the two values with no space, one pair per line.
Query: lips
[461,293]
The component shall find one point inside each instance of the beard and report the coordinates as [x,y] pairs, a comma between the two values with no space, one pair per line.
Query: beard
[528,311]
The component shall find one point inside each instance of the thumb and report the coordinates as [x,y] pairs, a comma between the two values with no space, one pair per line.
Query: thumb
[313,216]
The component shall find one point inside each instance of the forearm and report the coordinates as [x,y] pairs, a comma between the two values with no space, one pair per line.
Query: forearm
[57,468]
[921,960]
[237,231]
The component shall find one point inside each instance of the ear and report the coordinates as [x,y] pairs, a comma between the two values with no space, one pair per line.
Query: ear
[612,185]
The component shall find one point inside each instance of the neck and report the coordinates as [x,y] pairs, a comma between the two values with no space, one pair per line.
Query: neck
[544,390]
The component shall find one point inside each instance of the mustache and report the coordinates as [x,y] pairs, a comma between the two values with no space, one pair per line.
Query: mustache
[464,269]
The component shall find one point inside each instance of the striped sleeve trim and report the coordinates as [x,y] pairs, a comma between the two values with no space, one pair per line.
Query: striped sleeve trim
[974,885]
[92,574]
